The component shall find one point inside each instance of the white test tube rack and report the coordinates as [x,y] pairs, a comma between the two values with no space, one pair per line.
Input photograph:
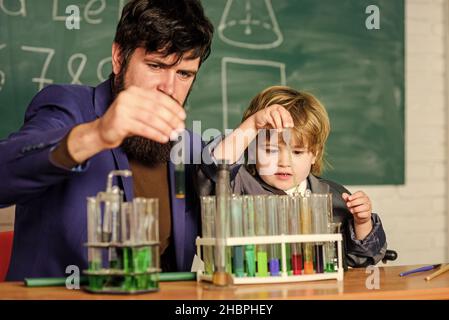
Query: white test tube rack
[284,277]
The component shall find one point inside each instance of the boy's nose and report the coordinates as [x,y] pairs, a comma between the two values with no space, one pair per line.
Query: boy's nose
[284,159]
[167,82]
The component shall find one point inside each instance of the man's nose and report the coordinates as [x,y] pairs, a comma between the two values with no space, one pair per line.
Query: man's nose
[167,82]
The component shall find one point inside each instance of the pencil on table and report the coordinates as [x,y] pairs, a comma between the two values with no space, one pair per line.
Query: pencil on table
[441,270]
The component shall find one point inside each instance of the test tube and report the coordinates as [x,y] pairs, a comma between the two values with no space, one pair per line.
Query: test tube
[261,230]
[114,209]
[138,253]
[151,231]
[283,206]
[223,197]
[237,231]
[141,253]
[273,230]
[320,209]
[207,222]
[295,228]
[331,250]
[93,234]
[178,159]
[306,228]
[249,231]
[331,256]
[128,228]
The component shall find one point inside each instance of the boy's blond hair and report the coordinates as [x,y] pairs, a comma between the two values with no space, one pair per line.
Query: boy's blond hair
[311,121]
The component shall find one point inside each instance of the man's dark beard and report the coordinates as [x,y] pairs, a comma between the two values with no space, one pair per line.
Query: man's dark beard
[144,150]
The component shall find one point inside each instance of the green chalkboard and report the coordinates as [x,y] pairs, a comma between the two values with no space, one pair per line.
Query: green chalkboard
[323,47]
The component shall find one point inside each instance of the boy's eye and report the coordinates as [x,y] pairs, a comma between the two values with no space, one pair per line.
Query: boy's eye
[298,152]
[271,150]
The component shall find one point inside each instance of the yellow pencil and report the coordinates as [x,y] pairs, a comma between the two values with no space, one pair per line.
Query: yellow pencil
[441,270]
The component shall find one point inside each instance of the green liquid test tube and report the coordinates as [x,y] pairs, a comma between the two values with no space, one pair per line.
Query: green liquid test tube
[207,223]
[261,230]
[249,231]
[94,232]
[237,231]
[180,181]
[223,255]
[283,208]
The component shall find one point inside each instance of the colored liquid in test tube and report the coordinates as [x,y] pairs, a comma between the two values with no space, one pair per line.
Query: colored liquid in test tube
[331,255]
[208,231]
[115,252]
[261,230]
[222,226]
[180,181]
[249,231]
[283,208]
[93,234]
[273,230]
[237,231]
[294,229]
[320,209]
[306,228]
[142,256]
[179,160]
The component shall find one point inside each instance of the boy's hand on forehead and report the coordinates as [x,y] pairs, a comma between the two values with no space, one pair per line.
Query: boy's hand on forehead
[359,205]
[273,117]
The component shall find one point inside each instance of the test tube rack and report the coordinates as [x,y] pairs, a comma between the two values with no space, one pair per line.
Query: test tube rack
[283,240]
[119,260]
[130,275]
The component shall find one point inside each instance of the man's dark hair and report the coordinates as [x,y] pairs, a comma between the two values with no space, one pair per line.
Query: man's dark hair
[164,26]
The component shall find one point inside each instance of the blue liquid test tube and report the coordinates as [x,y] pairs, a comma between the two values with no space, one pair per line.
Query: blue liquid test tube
[237,231]
[273,230]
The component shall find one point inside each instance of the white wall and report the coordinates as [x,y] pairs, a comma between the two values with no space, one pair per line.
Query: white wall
[415,215]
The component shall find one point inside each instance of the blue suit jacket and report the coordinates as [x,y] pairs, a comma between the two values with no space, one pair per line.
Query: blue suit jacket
[50,223]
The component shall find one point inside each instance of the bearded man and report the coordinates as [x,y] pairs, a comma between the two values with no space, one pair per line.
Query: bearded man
[73,136]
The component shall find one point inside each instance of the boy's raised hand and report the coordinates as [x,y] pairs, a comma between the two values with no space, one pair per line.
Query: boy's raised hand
[275,116]
[359,205]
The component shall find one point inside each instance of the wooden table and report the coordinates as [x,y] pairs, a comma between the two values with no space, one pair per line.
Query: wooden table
[353,287]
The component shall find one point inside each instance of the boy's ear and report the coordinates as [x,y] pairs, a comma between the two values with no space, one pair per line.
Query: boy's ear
[314,158]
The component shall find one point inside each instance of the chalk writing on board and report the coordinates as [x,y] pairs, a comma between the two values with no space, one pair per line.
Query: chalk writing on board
[100,67]
[76,75]
[2,74]
[262,68]
[249,24]
[13,11]
[42,81]
[91,12]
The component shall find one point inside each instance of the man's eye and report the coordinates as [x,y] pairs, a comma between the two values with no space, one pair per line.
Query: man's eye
[154,66]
